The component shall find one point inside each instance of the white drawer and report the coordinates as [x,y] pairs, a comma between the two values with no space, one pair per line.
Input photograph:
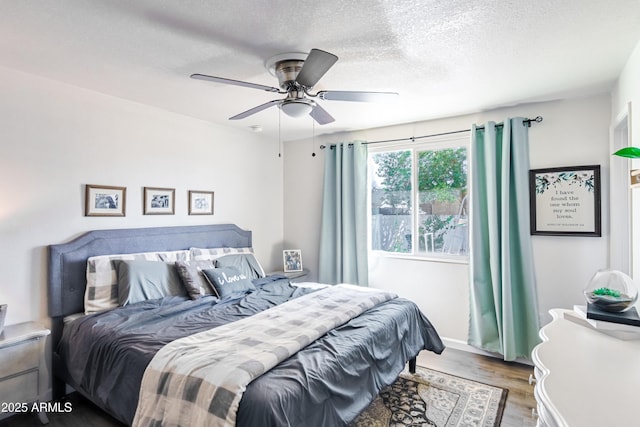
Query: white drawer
[19,357]
[20,388]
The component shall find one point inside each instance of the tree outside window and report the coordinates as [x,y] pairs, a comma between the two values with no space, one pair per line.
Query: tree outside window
[437,222]
[391,188]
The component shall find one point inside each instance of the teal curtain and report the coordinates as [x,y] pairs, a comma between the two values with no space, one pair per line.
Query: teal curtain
[343,236]
[503,301]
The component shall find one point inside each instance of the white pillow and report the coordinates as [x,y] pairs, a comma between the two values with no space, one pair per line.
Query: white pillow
[210,254]
[102,280]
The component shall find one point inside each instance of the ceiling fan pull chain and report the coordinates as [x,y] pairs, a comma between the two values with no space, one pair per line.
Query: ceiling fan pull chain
[279,133]
[313,138]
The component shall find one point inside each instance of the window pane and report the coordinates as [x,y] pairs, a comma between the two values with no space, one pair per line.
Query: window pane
[391,207]
[442,201]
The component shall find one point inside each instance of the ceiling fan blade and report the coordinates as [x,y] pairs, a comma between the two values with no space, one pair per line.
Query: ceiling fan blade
[315,66]
[321,116]
[256,109]
[355,96]
[234,82]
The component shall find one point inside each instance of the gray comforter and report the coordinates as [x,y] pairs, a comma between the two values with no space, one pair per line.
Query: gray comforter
[326,384]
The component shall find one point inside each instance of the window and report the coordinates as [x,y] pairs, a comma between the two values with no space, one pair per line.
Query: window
[418,199]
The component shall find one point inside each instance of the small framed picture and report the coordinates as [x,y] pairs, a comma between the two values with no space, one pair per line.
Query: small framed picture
[292,260]
[102,200]
[200,202]
[159,201]
[565,201]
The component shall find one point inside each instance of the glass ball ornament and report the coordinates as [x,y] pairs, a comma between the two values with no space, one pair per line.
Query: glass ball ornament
[611,290]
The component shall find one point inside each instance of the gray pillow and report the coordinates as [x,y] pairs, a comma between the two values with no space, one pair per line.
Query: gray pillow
[228,281]
[192,278]
[246,263]
[141,280]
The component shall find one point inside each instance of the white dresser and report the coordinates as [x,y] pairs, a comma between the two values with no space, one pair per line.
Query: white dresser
[585,378]
[23,372]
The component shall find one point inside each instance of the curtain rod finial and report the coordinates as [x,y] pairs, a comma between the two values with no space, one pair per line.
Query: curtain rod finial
[538,119]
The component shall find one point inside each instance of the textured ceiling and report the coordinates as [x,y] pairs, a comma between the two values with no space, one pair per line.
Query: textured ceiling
[444,57]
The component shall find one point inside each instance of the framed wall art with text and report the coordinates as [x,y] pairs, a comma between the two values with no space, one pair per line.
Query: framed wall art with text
[565,201]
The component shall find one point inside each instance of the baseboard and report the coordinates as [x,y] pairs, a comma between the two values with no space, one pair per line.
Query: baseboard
[463,346]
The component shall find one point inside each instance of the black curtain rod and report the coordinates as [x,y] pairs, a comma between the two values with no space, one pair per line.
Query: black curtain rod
[538,119]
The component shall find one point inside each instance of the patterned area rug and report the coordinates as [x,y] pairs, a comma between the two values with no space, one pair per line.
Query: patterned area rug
[432,398]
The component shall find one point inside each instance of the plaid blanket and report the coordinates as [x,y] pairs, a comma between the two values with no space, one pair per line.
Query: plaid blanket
[199,380]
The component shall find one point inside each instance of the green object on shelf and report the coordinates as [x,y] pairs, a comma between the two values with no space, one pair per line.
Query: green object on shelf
[607,291]
[630,152]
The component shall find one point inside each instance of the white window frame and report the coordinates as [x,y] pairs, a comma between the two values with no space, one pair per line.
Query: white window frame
[450,141]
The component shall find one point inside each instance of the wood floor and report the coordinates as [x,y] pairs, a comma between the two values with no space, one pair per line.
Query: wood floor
[512,376]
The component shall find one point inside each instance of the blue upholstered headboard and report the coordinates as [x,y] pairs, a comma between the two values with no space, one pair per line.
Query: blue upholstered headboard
[68,261]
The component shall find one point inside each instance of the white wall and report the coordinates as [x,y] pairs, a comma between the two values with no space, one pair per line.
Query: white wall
[55,138]
[627,90]
[574,132]
[626,98]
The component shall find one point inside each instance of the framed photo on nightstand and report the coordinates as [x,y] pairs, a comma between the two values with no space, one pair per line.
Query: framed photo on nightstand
[292,260]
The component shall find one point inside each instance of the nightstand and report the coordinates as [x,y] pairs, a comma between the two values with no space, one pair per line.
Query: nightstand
[293,275]
[23,371]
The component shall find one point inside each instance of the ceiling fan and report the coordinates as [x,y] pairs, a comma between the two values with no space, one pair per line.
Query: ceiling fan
[297,73]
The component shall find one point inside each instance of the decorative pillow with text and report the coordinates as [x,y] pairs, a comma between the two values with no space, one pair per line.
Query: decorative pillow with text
[229,281]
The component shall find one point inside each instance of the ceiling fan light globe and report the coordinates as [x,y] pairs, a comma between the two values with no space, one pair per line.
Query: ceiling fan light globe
[296,108]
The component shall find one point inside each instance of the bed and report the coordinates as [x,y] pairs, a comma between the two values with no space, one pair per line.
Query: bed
[108,355]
